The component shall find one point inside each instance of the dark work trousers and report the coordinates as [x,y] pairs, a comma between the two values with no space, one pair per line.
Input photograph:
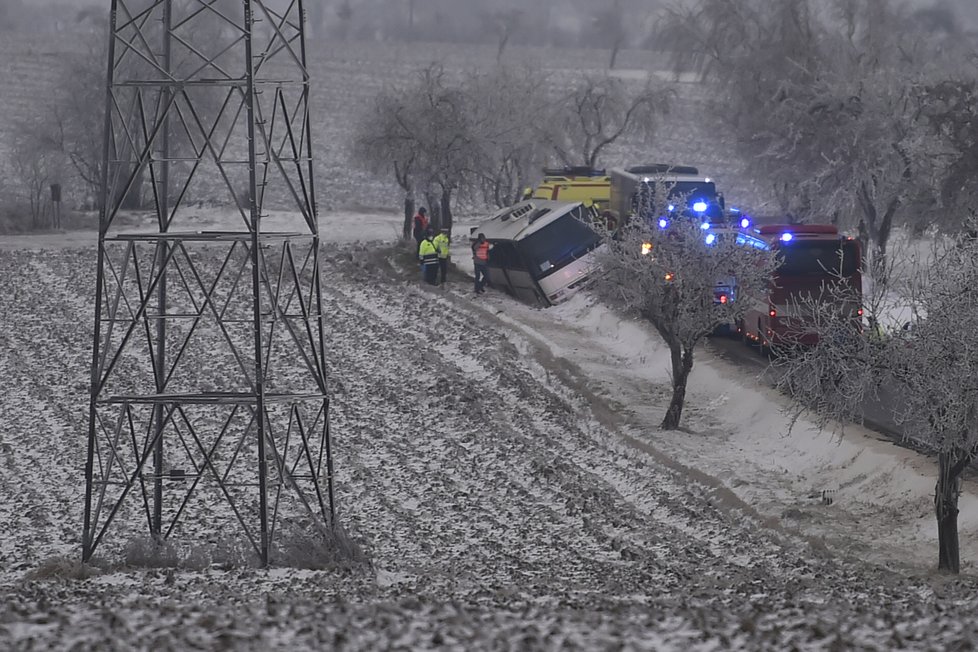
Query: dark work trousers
[431,273]
[481,276]
[443,268]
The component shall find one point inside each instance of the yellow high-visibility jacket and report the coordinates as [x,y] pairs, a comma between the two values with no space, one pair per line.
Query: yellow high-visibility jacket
[427,252]
[441,242]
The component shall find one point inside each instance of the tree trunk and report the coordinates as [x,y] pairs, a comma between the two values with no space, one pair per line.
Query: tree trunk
[446,211]
[434,211]
[408,217]
[946,508]
[682,364]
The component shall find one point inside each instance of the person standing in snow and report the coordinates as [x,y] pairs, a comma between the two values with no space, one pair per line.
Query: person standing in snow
[480,259]
[420,225]
[428,255]
[442,242]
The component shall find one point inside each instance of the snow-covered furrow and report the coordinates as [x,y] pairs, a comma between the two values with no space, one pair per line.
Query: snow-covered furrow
[497,508]
[524,404]
[43,439]
[422,453]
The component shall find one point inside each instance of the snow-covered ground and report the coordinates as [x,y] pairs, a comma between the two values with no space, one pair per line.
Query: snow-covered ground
[502,469]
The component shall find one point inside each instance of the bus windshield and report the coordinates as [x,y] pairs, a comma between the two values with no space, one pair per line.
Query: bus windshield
[558,243]
[818,258]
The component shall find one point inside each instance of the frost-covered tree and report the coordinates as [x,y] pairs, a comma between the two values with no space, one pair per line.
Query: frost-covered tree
[599,111]
[929,373]
[669,277]
[824,99]
[384,142]
[422,132]
[509,112]
[950,108]
[33,166]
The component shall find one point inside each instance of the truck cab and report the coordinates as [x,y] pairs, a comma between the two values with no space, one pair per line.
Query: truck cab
[689,194]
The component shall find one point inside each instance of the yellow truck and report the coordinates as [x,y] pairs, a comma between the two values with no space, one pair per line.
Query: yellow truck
[573,184]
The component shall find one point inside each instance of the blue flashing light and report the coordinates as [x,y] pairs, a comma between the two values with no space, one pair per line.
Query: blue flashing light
[786,237]
[750,240]
[663,222]
[744,223]
[699,206]
[671,208]
[705,226]
[711,238]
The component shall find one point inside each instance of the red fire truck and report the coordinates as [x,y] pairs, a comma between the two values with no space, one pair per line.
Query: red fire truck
[811,257]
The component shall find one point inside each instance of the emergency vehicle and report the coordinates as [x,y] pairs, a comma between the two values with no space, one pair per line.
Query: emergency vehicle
[583,184]
[810,258]
[689,194]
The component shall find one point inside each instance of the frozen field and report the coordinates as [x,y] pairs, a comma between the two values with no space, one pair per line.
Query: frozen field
[506,491]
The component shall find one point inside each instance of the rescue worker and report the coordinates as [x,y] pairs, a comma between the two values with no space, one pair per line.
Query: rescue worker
[442,242]
[428,255]
[480,259]
[420,225]
[875,334]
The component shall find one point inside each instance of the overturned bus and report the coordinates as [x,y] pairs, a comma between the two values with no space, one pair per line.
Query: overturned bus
[542,251]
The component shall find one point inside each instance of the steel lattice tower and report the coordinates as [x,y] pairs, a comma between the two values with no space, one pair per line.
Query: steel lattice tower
[208,404]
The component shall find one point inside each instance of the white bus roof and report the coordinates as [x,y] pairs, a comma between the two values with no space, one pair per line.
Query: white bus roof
[521,219]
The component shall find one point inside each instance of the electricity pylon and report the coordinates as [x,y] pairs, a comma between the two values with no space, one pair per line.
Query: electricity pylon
[208,406]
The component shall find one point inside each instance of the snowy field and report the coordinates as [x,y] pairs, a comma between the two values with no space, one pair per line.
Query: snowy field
[502,470]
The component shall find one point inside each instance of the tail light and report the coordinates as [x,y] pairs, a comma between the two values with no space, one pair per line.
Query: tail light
[772,312]
[723,298]
[859,313]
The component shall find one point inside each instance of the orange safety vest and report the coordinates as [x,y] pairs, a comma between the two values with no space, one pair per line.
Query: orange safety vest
[481,251]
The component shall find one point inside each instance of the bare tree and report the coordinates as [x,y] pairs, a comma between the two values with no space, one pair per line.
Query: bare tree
[600,111]
[928,375]
[825,99]
[867,155]
[509,109]
[384,141]
[950,108]
[69,122]
[504,24]
[609,27]
[669,276]
[423,133]
[34,165]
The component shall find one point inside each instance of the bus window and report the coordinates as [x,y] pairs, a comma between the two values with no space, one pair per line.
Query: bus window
[816,258]
[549,249]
